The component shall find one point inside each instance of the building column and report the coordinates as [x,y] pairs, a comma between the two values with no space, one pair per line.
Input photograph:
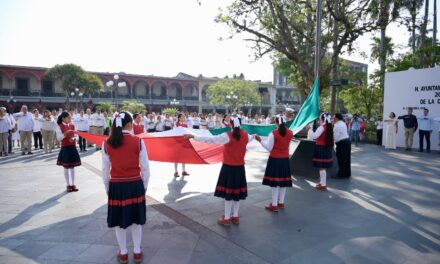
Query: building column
[273,97]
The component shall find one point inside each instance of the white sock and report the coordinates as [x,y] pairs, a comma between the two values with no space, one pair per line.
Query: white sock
[228,207]
[323,177]
[282,195]
[136,234]
[275,196]
[66,176]
[72,176]
[183,167]
[236,206]
[121,236]
[175,167]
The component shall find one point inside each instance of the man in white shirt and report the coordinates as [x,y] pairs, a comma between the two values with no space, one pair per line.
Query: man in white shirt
[425,125]
[97,124]
[82,124]
[343,146]
[38,137]
[25,122]
[160,126]
[379,131]
[11,130]
[5,127]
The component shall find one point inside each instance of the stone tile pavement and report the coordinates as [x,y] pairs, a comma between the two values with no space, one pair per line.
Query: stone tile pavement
[389,212]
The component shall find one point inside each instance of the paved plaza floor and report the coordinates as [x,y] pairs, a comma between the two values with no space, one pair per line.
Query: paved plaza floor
[388,212]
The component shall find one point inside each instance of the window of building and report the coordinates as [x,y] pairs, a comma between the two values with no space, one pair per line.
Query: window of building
[46,87]
[22,85]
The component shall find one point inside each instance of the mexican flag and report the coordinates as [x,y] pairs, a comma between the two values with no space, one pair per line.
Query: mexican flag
[309,111]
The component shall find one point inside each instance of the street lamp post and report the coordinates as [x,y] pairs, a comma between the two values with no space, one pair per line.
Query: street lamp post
[77,94]
[113,84]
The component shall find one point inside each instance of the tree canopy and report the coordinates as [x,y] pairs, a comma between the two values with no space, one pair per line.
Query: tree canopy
[73,76]
[241,92]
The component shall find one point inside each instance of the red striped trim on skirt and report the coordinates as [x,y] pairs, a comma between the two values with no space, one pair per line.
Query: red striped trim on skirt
[322,160]
[230,190]
[126,202]
[126,179]
[268,178]
[68,164]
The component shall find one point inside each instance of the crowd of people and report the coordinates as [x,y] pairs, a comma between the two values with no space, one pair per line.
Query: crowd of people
[34,129]
[424,123]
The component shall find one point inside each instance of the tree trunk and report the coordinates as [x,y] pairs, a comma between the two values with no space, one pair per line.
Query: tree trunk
[334,66]
[413,26]
[434,31]
[383,17]
[423,32]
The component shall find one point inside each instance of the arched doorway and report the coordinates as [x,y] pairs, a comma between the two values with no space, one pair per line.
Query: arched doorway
[141,90]
[175,91]
[158,91]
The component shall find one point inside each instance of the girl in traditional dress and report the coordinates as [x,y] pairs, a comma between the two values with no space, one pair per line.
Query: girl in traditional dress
[180,123]
[68,156]
[278,175]
[226,122]
[322,154]
[231,184]
[125,172]
[138,127]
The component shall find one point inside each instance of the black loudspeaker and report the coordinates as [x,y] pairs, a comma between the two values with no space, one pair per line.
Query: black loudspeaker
[301,161]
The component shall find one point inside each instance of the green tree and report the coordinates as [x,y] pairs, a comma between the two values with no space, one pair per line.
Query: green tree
[412,6]
[287,28]
[171,111]
[365,100]
[108,107]
[132,106]
[73,76]
[376,49]
[70,75]
[90,84]
[384,12]
[239,91]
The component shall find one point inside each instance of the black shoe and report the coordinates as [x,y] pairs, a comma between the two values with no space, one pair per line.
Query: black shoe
[1,154]
[420,150]
[428,151]
[10,152]
[6,154]
[30,153]
[23,153]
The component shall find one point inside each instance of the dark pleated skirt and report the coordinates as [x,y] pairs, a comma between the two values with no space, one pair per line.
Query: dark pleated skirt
[68,157]
[231,184]
[278,173]
[166,128]
[196,127]
[151,130]
[322,157]
[126,204]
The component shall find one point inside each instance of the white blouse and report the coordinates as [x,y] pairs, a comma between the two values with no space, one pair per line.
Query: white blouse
[221,139]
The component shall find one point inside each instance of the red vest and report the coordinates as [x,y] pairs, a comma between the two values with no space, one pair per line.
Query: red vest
[181,124]
[138,129]
[281,144]
[322,139]
[234,151]
[66,140]
[125,159]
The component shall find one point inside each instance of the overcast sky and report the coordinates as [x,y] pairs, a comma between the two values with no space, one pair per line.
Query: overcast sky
[134,36]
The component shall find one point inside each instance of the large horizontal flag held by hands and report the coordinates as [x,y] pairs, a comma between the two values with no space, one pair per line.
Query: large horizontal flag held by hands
[309,111]
[171,148]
